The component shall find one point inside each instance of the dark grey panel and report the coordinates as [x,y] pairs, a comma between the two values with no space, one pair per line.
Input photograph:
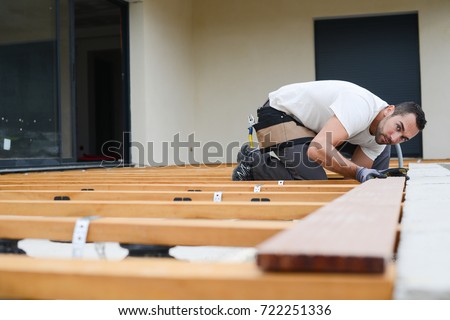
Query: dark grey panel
[378,53]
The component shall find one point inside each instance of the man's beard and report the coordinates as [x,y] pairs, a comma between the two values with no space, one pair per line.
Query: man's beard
[380,138]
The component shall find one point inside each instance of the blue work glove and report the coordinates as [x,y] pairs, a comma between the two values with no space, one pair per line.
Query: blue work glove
[364,174]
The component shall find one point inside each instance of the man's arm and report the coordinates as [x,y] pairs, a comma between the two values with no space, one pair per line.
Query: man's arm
[323,150]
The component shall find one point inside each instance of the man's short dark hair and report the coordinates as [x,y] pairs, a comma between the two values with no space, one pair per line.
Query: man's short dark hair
[411,107]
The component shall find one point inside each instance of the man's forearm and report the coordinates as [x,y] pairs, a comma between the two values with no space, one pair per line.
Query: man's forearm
[331,159]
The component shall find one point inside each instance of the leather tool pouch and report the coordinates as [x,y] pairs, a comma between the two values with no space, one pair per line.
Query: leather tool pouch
[276,129]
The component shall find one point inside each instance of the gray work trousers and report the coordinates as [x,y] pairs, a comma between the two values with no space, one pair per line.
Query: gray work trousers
[294,164]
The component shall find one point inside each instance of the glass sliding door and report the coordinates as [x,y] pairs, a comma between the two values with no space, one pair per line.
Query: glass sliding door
[29,119]
[66,80]
[63,82]
[101,80]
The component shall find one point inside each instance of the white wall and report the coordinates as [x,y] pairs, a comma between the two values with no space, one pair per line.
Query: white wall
[243,50]
[162,87]
[435,74]
[230,54]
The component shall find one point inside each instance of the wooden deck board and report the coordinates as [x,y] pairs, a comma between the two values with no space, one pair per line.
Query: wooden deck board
[187,232]
[128,200]
[122,195]
[168,279]
[162,209]
[187,187]
[354,233]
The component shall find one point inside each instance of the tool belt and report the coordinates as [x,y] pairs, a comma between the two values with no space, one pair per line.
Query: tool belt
[276,129]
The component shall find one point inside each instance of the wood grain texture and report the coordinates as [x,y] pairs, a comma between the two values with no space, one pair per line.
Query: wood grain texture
[27,278]
[181,186]
[195,232]
[128,199]
[123,195]
[148,175]
[161,209]
[354,233]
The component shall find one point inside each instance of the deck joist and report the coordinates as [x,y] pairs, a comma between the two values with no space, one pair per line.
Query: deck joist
[138,205]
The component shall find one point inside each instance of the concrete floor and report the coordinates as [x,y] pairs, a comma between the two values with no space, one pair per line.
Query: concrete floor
[423,265]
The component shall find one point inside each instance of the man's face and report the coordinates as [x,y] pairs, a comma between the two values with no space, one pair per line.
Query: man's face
[396,129]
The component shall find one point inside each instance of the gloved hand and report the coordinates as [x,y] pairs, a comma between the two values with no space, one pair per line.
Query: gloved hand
[396,172]
[364,174]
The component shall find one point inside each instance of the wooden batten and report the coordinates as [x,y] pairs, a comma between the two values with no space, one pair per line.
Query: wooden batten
[162,209]
[355,222]
[123,195]
[187,232]
[27,278]
[354,233]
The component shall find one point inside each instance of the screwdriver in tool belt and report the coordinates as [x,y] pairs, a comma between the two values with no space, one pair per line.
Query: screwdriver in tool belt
[251,122]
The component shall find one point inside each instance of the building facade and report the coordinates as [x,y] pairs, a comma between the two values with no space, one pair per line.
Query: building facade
[157,82]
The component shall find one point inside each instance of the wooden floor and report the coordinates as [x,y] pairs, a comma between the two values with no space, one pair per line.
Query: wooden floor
[202,206]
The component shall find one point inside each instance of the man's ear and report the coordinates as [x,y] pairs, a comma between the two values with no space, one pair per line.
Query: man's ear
[388,110]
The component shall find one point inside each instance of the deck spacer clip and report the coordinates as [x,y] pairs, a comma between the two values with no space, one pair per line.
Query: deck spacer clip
[218,196]
[257,188]
[80,235]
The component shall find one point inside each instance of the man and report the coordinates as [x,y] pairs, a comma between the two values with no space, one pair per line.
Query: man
[302,126]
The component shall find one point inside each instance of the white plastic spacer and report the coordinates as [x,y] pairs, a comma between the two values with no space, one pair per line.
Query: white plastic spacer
[80,235]
[218,196]
[257,188]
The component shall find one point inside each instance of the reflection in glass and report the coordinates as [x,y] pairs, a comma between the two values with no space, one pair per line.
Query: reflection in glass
[28,104]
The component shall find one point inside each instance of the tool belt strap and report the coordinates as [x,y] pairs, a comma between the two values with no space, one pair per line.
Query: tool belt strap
[283,134]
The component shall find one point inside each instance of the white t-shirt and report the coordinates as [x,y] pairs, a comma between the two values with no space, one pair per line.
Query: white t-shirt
[314,103]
